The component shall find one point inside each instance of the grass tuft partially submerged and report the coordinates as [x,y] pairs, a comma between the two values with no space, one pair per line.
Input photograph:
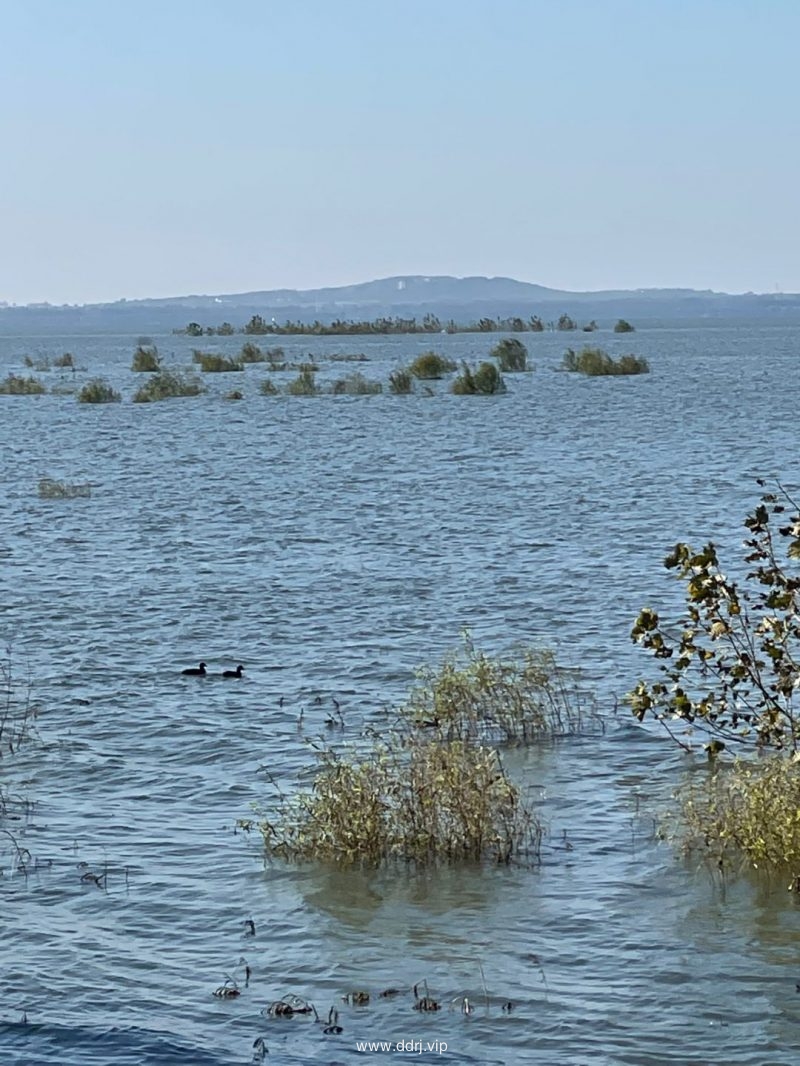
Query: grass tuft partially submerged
[212,363]
[432,788]
[146,359]
[40,363]
[430,366]
[98,390]
[355,385]
[511,354]
[401,382]
[251,353]
[417,801]
[167,385]
[595,362]
[50,489]
[305,384]
[486,380]
[519,698]
[747,813]
[18,386]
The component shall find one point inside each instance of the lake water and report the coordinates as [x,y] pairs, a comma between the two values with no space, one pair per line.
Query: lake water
[333,545]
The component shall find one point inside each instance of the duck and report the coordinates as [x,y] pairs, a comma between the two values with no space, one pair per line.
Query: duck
[196,671]
[233,673]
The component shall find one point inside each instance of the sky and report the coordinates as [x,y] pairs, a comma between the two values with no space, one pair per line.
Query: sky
[217,146]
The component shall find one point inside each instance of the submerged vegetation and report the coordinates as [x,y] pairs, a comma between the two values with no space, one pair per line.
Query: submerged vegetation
[401,382]
[40,363]
[486,380]
[17,713]
[730,673]
[18,386]
[746,814]
[513,699]
[251,353]
[511,354]
[51,489]
[595,362]
[167,385]
[433,788]
[356,385]
[305,384]
[212,363]
[98,390]
[413,800]
[146,358]
[430,365]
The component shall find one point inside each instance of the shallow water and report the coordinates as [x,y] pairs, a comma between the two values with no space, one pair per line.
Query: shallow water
[333,545]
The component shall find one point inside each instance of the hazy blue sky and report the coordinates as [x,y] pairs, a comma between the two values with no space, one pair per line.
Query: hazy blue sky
[161,147]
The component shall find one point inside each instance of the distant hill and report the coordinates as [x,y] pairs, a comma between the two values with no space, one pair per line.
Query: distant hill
[463,299]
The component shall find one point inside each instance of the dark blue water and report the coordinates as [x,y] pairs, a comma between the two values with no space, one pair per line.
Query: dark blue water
[332,546]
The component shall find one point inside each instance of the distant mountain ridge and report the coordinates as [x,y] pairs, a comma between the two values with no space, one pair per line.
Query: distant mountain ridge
[463,299]
[405,290]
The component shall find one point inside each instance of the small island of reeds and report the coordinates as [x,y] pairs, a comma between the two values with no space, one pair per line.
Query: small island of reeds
[595,362]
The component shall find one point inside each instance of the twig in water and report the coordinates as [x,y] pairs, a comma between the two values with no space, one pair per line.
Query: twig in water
[538,963]
[485,989]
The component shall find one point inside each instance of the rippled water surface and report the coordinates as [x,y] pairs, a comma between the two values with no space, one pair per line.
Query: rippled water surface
[333,545]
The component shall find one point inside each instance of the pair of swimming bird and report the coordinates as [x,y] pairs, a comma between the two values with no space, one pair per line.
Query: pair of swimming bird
[200,671]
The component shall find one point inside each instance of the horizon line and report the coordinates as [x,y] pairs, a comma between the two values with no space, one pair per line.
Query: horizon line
[639,290]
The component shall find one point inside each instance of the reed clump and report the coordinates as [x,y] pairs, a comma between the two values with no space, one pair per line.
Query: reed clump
[355,385]
[511,354]
[276,357]
[486,380]
[251,353]
[305,384]
[13,385]
[268,388]
[401,382]
[432,788]
[430,366]
[410,800]
[212,363]
[595,362]
[167,385]
[65,362]
[52,489]
[40,363]
[98,390]
[146,359]
[519,698]
[746,814]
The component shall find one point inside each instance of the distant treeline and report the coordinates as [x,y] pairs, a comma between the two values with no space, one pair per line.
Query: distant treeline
[259,326]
